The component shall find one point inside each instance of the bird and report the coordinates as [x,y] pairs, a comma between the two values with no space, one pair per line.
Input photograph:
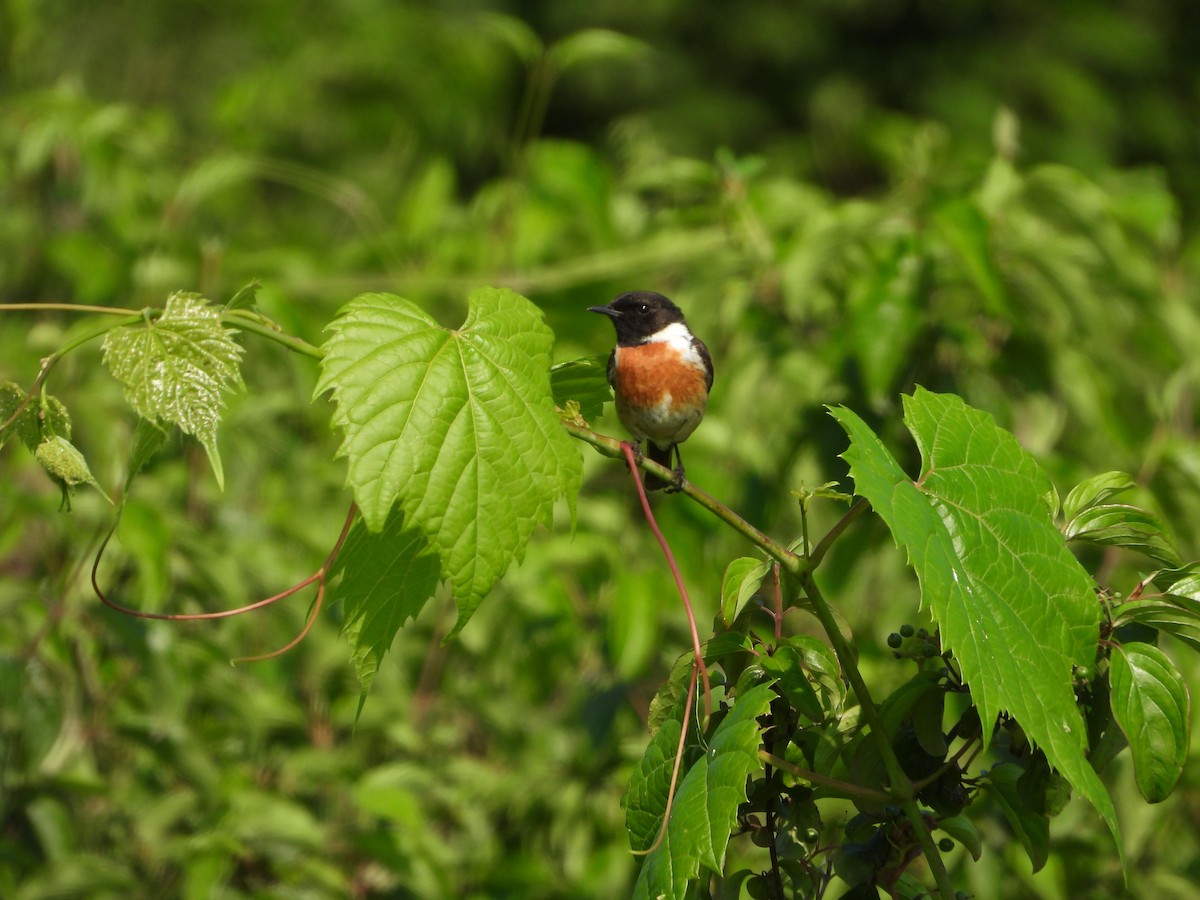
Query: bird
[660,374]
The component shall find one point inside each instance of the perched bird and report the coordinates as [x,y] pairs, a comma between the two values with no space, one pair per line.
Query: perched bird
[661,374]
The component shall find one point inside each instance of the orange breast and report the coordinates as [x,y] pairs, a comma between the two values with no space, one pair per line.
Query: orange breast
[644,374]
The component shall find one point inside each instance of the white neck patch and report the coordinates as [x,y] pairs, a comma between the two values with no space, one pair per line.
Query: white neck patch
[677,335]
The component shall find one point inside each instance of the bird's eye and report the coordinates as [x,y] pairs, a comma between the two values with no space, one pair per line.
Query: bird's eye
[642,309]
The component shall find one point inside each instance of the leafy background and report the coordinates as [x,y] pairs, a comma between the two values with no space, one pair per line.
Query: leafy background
[998,200]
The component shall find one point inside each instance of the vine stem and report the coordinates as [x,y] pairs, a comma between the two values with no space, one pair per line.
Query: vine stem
[901,789]
[611,447]
[844,788]
[683,594]
[900,785]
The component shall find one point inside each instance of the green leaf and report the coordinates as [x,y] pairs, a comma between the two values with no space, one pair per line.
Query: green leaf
[40,420]
[706,804]
[741,581]
[885,316]
[964,831]
[455,425]
[1169,617]
[1150,704]
[178,368]
[594,44]
[1096,490]
[246,297]
[965,231]
[64,463]
[646,797]
[583,380]
[1013,603]
[786,665]
[1121,525]
[386,579]
[1032,829]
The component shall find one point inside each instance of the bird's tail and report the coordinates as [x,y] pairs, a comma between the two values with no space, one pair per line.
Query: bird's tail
[663,458]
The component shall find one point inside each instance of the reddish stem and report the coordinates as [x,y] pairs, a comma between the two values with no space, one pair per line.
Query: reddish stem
[318,576]
[666,549]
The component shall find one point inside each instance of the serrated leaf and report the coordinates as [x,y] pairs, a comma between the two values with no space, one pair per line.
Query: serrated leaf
[646,796]
[1122,525]
[386,578]
[177,368]
[455,425]
[246,297]
[64,463]
[707,801]
[1012,601]
[742,578]
[1031,828]
[668,695]
[1096,490]
[583,380]
[1150,704]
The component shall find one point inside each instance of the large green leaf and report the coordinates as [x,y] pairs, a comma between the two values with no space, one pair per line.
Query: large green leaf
[386,577]
[1012,602]
[178,368]
[456,425]
[1150,704]
[706,804]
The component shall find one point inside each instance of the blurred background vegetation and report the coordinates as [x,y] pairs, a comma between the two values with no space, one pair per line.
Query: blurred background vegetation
[997,199]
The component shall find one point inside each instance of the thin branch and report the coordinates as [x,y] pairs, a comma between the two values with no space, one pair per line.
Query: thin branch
[860,506]
[842,788]
[611,447]
[900,785]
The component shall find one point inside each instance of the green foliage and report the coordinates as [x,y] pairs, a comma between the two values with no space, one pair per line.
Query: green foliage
[178,367]
[386,578]
[994,569]
[706,804]
[455,426]
[835,240]
[1151,704]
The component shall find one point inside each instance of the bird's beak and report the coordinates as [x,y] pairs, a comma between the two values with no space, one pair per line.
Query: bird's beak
[605,311]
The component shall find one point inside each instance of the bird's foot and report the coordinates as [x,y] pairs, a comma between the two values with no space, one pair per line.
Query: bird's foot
[676,483]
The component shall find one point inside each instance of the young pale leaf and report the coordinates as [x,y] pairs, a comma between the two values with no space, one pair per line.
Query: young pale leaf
[38,421]
[1014,604]
[1032,829]
[742,579]
[455,425]
[386,578]
[583,380]
[707,801]
[64,463]
[1096,490]
[178,368]
[1151,705]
